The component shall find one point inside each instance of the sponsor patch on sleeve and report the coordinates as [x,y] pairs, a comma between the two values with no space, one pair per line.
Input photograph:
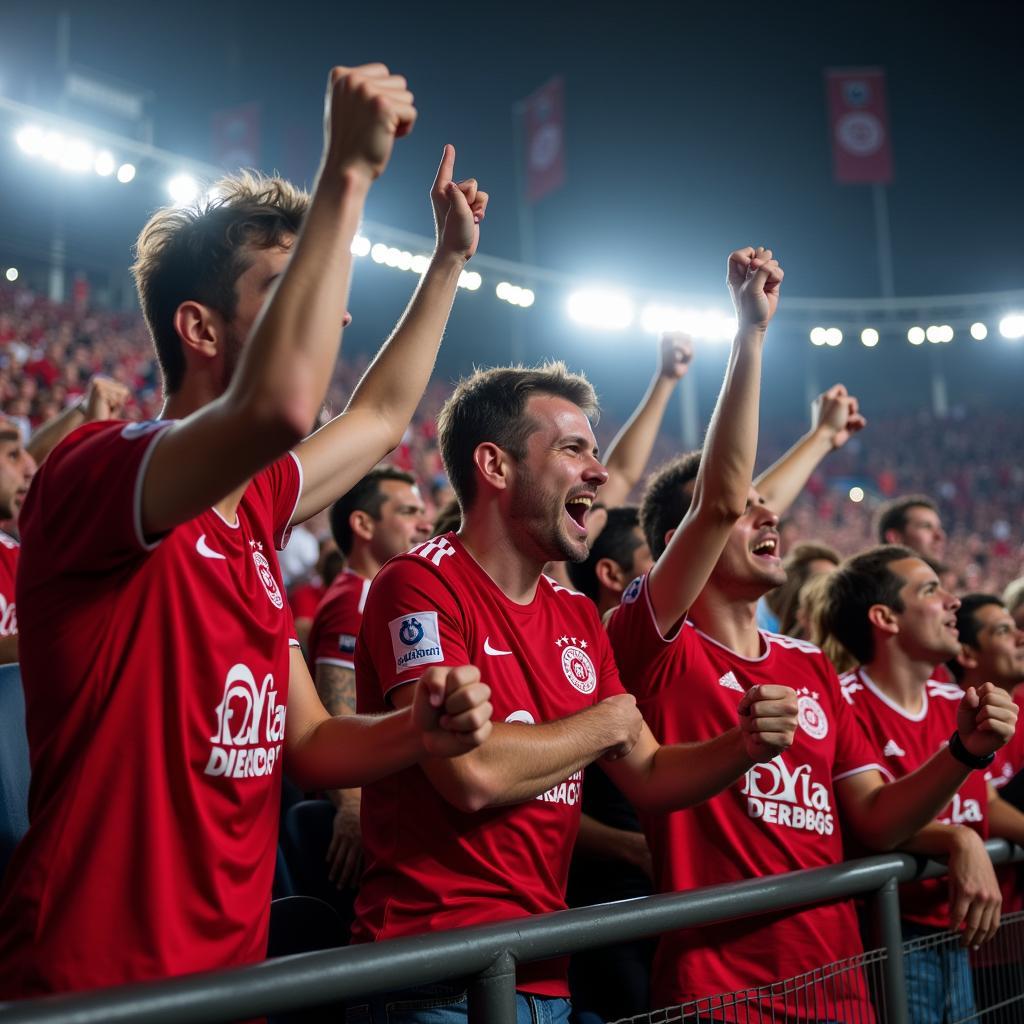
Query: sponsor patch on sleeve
[416,640]
[346,643]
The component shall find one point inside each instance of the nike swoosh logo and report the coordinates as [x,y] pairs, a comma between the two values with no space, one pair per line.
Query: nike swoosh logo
[488,649]
[205,550]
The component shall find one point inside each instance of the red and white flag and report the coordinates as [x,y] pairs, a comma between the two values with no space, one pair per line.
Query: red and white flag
[859,121]
[235,137]
[544,140]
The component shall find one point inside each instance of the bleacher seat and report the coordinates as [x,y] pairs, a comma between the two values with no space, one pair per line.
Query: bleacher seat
[14,763]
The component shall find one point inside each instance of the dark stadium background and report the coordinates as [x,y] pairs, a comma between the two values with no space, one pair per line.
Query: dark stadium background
[692,128]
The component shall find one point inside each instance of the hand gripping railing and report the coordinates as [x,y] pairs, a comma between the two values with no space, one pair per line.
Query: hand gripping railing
[487,956]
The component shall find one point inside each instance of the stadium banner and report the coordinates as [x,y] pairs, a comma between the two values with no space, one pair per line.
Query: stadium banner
[235,137]
[859,126]
[543,129]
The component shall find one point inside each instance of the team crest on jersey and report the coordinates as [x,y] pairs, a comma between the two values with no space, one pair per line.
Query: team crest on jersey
[416,640]
[632,592]
[576,664]
[265,574]
[811,714]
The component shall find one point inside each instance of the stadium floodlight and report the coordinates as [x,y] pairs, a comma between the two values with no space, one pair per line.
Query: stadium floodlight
[869,337]
[934,334]
[419,263]
[183,189]
[857,494]
[979,332]
[514,294]
[11,274]
[603,308]
[833,337]
[360,246]
[77,155]
[30,139]
[104,164]
[819,336]
[708,325]
[378,253]
[947,334]
[470,280]
[125,173]
[916,335]
[1012,326]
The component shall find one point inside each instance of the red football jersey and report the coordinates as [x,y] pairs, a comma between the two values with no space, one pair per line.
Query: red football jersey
[304,599]
[1009,760]
[332,640]
[156,679]
[904,741]
[781,816]
[430,866]
[8,570]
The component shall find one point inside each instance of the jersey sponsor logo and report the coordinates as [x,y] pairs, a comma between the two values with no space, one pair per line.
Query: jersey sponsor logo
[205,550]
[893,749]
[265,574]
[8,617]
[250,727]
[576,664]
[346,643]
[849,685]
[416,640]
[962,811]
[434,550]
[780,795]
[811,715]
[568,792]
[488,649]
[632,592]
[948,691]
[521,717]
[730,682]
[134,430]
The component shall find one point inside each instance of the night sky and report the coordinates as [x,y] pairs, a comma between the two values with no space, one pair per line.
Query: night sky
[692,129]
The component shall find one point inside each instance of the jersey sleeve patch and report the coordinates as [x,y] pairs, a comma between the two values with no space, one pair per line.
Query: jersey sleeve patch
[416,640]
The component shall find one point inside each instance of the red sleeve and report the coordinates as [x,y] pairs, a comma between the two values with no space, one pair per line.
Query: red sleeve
[332,640]
[85,505]
[855,752]
[411,621]
[304,600]
[637,642]
[284,478]
[609,683]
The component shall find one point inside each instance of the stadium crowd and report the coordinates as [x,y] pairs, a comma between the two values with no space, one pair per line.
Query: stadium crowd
[553,687]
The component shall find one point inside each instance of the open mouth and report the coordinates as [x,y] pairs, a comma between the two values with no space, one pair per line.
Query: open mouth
[577,508]
[767,548]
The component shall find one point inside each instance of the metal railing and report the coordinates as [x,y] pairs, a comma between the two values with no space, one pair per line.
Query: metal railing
[487,956]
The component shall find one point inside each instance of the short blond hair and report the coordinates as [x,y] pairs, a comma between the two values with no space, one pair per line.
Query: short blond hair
[198,252]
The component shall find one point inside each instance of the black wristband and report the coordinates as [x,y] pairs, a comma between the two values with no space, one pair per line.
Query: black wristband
[964,756]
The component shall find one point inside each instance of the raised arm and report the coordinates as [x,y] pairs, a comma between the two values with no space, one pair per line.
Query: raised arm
[835,418]
[628,454]
[722,487]
[104,400]
[382,405]
[284,370]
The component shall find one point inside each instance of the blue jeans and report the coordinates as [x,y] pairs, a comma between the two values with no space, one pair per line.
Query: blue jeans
[939,986]
[447,1004]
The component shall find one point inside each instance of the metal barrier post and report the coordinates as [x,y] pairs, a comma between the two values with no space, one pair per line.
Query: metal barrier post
[885,909]
[492,993]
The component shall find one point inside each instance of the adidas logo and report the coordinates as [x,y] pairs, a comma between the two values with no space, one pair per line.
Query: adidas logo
[730,682]
[893,749]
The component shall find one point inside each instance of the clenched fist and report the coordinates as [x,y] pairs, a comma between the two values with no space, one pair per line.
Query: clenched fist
[986,719]
[452,709]
[676,355]
[366,109]
[768,720]
[836,414]
[754,281]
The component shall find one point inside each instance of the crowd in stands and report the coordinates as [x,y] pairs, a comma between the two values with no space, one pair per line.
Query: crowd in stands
[557,679]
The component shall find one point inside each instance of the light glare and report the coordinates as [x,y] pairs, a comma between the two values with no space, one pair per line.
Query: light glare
[818,336]
[916,335]
[183,189]
[869,337]
[979,332]
[833,337]
[12,274]
[30,140]
[604,309]
[104,163]
[125,173]
[1012,326]
[857,494]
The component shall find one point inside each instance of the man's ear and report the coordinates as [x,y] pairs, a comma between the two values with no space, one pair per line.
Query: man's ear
[892,537]
[493,464]
[968,657]
[199,328]
[669,534]
[361,524]
[610,575]
[883,618]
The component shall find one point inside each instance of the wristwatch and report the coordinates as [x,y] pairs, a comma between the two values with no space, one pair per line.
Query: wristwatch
[964,756]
